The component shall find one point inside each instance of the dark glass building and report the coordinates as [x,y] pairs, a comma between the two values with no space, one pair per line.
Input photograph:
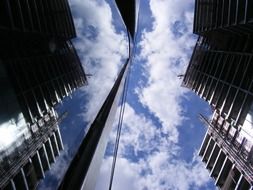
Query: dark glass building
[216,15]
[39,66]
[221,72]
[84,168]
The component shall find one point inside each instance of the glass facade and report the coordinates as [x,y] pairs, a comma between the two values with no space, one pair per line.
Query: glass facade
[234,16]
[220,72]
[46,17]
[39,67]
[13,128]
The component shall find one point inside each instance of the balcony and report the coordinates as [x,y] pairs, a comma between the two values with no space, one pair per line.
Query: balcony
[238,149]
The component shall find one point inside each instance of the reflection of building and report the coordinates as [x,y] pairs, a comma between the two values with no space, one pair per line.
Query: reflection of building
[38,68]
[221,72]
[84,168]
[32,159]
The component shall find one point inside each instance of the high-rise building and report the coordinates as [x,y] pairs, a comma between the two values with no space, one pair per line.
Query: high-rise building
[31,159]
[39,66]
[221,72]
[215,15]
[84,168]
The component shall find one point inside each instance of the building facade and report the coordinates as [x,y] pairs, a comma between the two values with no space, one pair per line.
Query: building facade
[24,168]
[39,66]
[84,168]
[221,72]
[233,16]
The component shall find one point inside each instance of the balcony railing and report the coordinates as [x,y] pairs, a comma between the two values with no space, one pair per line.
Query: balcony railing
[238,149]
[11,164]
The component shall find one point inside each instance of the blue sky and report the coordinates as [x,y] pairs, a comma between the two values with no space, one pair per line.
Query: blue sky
[161,133]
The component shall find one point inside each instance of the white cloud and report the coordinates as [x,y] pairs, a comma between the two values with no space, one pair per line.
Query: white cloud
[154,156]
[170,173]
[100,47]
[57,170]
[160,168]
[126,175]
[154,163]
[166,51]
[139,132]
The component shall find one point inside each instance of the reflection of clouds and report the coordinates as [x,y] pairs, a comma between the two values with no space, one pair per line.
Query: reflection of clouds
[138,133]
[13,130]
[59,168]
[101,50]
[154,162]
[151,151]
[57,171]
[125,177]
[247,128]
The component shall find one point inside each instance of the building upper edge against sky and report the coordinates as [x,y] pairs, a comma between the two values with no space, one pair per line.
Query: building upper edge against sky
[129,11]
